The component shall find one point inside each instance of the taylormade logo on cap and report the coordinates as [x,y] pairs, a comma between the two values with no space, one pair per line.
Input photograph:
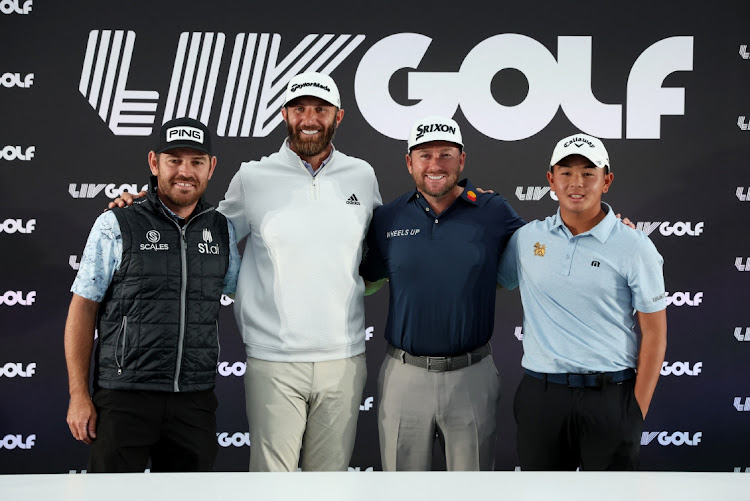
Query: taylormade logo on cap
[315,85]
[434,128]
[184,132]
[584,145]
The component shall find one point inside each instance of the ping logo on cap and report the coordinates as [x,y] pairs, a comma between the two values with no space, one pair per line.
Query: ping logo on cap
[184,132]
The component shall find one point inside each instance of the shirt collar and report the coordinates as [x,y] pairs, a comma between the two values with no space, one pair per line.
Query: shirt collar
[469,192]
[601,231]
[306,164]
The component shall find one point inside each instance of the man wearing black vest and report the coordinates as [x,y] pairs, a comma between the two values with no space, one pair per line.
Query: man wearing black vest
[151,280]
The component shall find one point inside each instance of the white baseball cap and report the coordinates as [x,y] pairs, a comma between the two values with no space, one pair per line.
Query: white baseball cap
[581,144]
[434,128]
[313,84]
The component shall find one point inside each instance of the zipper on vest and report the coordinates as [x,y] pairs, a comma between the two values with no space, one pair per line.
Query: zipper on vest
[122,332]
[183,295]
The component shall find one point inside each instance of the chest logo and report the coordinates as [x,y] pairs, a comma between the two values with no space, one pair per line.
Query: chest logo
[205,247]
[540,249]
[153,237]
[353,200]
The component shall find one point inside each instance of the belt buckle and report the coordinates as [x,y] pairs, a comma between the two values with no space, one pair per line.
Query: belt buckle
[442,359]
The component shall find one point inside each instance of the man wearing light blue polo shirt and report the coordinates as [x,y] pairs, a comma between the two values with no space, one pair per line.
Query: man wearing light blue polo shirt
[584,281]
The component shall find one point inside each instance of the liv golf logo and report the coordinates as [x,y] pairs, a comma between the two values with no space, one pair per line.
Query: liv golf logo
[252,96]
[257,76]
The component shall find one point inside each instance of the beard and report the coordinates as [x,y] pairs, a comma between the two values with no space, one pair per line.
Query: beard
[175,195]
[307,147]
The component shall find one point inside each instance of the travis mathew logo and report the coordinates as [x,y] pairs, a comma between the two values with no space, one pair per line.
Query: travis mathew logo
[205,247]
[353,200]
[153,237]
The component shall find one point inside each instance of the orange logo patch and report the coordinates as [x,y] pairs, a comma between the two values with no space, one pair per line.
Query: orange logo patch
[471,196]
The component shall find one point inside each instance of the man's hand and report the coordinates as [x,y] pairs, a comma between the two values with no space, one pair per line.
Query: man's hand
[625,221]
[82,418]
[124,199]
[480,190]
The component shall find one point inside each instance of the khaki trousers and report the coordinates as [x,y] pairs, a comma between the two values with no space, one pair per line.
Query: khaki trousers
[310,407]
[460,407]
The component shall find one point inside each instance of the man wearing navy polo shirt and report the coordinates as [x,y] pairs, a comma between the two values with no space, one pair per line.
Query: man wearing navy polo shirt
[584,280]
[439,245]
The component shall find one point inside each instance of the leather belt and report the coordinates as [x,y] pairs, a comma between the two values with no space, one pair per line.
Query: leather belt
[593,380]
[441,364]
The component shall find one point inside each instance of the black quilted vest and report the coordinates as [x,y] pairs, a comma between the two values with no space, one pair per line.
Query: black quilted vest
[158,323]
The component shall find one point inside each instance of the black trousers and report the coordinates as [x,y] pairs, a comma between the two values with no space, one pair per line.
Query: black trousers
[177,431]
[562,428]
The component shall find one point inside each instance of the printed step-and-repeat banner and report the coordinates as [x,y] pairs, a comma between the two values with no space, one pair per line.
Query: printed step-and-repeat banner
[84,87]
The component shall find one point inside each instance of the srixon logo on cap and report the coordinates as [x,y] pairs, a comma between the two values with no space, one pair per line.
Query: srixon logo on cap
[184,132]
[438,127]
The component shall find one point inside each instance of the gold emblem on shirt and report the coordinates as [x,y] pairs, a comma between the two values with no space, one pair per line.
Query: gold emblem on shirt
[539,249]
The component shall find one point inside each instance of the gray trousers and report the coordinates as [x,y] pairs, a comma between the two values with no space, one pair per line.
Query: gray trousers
[307,406]
[460,407]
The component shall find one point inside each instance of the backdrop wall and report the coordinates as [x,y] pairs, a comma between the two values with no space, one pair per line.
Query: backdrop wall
[84,87]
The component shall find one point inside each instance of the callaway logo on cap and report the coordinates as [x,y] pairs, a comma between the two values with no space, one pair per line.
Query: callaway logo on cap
[184,133]
[434,128]
[581,144]
[313,84]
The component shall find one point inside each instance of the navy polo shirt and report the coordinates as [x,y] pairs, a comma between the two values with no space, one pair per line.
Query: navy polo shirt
[442,269]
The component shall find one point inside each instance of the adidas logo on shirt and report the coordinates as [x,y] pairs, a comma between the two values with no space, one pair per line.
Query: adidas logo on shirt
[353,200]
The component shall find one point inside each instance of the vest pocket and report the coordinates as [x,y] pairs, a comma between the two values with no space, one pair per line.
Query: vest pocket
[122,335]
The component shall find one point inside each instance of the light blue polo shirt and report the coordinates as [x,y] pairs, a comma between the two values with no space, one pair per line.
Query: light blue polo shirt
[580,293]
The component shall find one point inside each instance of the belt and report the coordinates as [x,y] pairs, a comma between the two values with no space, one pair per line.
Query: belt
[441,364]
[594,380]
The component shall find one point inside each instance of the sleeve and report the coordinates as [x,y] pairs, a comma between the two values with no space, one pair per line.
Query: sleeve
[233,206]
[507,270]
[512,220]
[377,200]
[373,266]
[100,260]
[230,279]
[646,278]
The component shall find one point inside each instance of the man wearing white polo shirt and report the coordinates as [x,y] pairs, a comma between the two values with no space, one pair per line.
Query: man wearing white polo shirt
[584,280]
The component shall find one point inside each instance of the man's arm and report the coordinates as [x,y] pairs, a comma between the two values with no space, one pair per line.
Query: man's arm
[651,355]
[79,342]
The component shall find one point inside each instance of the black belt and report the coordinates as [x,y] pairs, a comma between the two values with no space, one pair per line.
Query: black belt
[594,380]
[441,364]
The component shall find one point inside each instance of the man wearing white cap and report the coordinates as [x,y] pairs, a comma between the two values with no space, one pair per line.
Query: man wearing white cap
[305,210]
[584,281]
[439,245]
